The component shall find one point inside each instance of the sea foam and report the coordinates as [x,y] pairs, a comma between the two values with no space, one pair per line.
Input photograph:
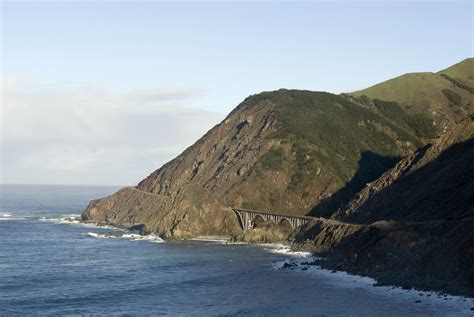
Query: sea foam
[75,220]
[130,236]
[5,216]
[285,250]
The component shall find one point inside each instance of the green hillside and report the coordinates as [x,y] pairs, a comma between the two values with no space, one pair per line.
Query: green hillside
[445,96]
[463,71]
[333,137]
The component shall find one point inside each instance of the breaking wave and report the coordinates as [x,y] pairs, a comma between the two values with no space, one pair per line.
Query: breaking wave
[286,250]
[75,220]
[5,216]
[69,219]
[130,236]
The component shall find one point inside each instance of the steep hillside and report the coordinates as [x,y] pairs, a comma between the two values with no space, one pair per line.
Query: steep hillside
[462,71]
[414,226]
[286,151]
[446,96]
[434,183]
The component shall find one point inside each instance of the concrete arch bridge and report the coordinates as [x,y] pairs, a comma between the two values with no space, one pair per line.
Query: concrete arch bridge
[248,218]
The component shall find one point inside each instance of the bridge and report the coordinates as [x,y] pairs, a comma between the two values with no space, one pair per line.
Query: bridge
[248,217]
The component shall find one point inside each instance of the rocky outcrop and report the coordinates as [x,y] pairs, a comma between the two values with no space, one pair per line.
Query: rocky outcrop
[186,197]
[265,232]
[323,235]
[425,255]
[185,217]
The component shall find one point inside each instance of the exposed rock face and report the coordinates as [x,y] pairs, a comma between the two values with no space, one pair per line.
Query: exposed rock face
[323,235]
[426,255]
[181,199]
[185,217]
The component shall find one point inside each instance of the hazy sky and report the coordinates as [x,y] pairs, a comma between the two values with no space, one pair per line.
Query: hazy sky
[101,92]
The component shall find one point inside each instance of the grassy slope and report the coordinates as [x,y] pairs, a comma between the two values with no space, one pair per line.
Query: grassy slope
[462,71]
[430,92]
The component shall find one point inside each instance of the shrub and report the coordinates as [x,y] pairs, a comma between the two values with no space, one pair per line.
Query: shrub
[452,96]
[273,159]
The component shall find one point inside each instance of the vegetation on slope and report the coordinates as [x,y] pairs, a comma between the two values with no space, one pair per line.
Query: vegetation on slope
[332,136]
[446,96]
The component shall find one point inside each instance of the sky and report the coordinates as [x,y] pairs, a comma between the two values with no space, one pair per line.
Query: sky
[105,92]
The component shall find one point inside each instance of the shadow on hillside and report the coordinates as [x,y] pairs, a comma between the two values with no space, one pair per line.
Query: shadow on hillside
[442,189]
[371,166]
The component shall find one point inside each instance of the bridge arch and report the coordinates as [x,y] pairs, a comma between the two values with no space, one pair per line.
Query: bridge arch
[249,218]
[256,220]
[285,223]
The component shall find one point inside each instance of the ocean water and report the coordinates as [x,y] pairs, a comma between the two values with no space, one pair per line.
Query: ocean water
[51,266]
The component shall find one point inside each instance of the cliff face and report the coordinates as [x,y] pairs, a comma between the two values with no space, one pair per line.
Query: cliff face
[285,151]
[431,255]
[414,226]
[181,199]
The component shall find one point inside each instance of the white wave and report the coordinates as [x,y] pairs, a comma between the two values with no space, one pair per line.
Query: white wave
[75,220]
[7,216]
[68,219]
[11,218]
[286,250]
[130,236]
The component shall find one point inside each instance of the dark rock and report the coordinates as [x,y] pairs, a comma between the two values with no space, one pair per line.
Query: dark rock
[287,265]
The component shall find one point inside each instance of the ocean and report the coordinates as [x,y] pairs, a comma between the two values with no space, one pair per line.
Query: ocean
[50,265]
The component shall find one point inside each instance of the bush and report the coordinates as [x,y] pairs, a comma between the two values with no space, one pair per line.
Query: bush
[452,96]
[273,159]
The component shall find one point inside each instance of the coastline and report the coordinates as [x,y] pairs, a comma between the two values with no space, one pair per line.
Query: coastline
[298,260]
[298,257]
